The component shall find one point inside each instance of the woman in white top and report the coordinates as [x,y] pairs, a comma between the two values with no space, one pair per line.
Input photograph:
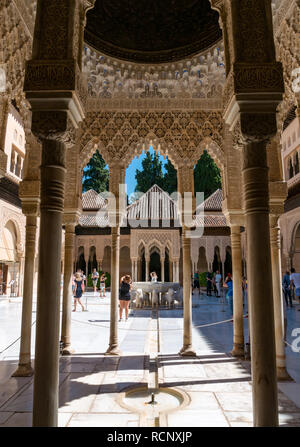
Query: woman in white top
[153,277]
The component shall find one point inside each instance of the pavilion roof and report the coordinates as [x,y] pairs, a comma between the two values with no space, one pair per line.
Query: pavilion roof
[155,204]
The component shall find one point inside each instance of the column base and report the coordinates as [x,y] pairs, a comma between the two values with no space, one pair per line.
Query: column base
[25,370]
[113,350]
[238,350]
[187,351]
[283,375]
[67,350]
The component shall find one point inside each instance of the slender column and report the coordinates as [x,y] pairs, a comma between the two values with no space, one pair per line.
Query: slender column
[67,289]
[177,271]
[100,265]
[45,396]
[187,349]
[256,194]
[25,369]
[174,271]
[113,348]
[147,268]
[238,322]
[132,270]
[4,108]
[162,269]
[136,270]
[282,373]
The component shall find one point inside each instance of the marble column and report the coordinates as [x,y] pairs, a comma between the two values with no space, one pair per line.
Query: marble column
[174,271]
[238,322]
[162,269]
[4,109]
[113,348]
[177,271]
[282,373]
[187,349]
[24,368]
[45,395]
[260,291]
[67,289]
[136,270]
[147,259]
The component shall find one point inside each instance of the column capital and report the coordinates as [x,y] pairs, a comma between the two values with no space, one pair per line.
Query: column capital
[71,217]
[234,217]
[54,84]
[278,193]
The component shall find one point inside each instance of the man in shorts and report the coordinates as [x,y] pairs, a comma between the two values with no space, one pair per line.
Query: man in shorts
[218,279]
[102,285]
[295,282]
[95,277]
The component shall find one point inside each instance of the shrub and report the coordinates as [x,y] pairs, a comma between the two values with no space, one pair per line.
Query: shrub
[202,279]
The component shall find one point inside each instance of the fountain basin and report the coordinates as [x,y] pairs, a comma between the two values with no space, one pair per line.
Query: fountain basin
[168,400]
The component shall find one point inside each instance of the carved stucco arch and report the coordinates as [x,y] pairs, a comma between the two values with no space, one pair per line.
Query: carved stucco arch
[19,228]
[155,243]
[120,136]
[295,224]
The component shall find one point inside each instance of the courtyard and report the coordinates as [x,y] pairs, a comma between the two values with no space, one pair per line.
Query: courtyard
[214,387]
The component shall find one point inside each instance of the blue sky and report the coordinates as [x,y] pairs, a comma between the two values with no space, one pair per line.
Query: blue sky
[137,164]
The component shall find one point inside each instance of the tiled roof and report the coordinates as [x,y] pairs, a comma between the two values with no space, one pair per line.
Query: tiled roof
[211,220]
[94,220]
[155,204]
[214,202]
[91,200]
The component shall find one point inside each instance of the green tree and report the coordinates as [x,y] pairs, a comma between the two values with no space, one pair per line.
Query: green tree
[207,176]
[170,178]
[96,174]
[151,173]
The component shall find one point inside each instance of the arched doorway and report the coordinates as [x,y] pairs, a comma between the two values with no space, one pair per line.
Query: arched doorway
[106,264]
[9,265]
[296,249]
[155,265]
[217,265]
[92,264]
[125,263]
[202,262]
[228,262]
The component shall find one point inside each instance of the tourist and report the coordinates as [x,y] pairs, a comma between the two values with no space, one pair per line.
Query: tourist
[295,282]
[102,285]
[124,296]
[245,291]
[196,282]
[214,286]
[228,284]
[153,276]
[218,279]
[78,291]
[95,277]
[208,284]
[286,287]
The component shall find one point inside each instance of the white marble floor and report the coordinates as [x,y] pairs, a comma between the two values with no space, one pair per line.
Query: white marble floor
[217,387]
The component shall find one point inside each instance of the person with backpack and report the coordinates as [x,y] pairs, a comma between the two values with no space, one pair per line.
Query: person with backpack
[95,277]
[124,295]
[286,287]
[228,284]
[78,291]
